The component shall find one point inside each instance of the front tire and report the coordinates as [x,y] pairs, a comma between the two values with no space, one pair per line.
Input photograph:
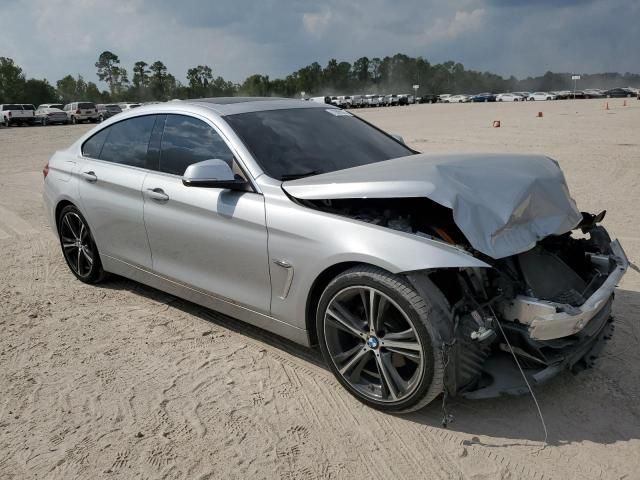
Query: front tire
[78,247]
[377,337]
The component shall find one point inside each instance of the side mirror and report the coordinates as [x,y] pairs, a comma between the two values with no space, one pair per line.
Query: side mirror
[213,173]
[398,138]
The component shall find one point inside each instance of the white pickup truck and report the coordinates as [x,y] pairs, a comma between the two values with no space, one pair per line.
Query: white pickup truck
[17,114]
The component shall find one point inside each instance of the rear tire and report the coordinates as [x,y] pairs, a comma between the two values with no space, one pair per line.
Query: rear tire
[78,247]
[389,360]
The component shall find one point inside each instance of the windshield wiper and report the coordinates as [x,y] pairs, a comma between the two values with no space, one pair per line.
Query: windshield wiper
[294,176]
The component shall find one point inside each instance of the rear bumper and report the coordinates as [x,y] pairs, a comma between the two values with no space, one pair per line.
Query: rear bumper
[20,120]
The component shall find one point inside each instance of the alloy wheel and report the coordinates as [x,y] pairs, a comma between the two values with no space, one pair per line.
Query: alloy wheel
[76,244]
[373,344]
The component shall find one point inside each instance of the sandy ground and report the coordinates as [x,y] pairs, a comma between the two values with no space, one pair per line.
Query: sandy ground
[122,381]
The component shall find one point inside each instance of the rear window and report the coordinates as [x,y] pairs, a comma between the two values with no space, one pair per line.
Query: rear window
[86,105]
[11,107]
[56,105]
[28,107]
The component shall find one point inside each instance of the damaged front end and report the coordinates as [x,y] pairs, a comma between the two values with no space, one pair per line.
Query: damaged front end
[553,304]
[553,301]
[553,269]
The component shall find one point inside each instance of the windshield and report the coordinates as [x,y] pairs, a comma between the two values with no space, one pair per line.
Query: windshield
[298,142]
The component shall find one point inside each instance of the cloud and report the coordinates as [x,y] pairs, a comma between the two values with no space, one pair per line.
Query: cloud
[241,37]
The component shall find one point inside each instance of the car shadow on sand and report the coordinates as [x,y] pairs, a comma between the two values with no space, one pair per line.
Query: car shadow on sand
[600,405]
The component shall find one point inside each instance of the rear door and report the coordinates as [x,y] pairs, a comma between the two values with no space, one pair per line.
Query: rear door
[209,238]
[111,176]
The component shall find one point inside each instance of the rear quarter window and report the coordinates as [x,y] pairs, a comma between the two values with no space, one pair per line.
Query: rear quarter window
[128,141]
[93,147]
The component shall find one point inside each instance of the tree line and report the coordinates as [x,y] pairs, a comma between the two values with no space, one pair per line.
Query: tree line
[391,74]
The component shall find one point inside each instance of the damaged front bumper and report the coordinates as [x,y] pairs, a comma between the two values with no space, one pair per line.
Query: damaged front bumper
[547,337]
[500,375]
[548,320]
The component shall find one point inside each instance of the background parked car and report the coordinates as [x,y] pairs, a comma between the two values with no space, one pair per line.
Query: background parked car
[619,93]
[357,101]
[51,113]
[128,105]
[428,98]
[484,97]
[107,111]
[29,113]
[508,97]
[457,99]
[81,112]
[391,100]
[14,114]
[325,99]
[541,96]
[372,100]
[593,93]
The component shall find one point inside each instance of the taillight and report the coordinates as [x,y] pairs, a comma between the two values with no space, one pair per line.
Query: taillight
[45,170]
[78,111]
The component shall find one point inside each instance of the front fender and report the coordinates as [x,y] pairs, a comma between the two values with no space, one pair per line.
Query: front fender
[312,241]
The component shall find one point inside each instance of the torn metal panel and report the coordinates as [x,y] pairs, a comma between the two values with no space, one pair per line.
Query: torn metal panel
[503,204]
[549,320]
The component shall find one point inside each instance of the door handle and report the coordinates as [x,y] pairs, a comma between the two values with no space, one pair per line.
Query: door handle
[157,194]
[90,177]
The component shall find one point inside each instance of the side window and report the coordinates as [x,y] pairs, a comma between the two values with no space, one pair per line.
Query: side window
[92,147]
[128,141]
[187,140]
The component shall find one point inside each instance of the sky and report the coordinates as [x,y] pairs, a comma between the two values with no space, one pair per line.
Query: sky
[237,38]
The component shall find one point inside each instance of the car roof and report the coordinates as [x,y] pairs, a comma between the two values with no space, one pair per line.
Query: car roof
[234,105]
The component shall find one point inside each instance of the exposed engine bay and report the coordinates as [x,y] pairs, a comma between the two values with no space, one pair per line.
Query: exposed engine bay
[550,306]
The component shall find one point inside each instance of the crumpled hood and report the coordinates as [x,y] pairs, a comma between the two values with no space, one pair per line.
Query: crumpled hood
[502,203]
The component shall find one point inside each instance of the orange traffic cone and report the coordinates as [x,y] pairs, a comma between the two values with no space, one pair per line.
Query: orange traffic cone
[540,115]
[606,106]
[496,123]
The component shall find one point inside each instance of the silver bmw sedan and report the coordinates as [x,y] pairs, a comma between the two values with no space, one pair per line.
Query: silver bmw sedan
[414,274]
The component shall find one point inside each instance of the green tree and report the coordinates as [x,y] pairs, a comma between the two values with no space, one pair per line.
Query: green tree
[361,70]
[108,70]
[256,86]
[140,75]
[158,81]
[39,92]
[199,79]
[12,81]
